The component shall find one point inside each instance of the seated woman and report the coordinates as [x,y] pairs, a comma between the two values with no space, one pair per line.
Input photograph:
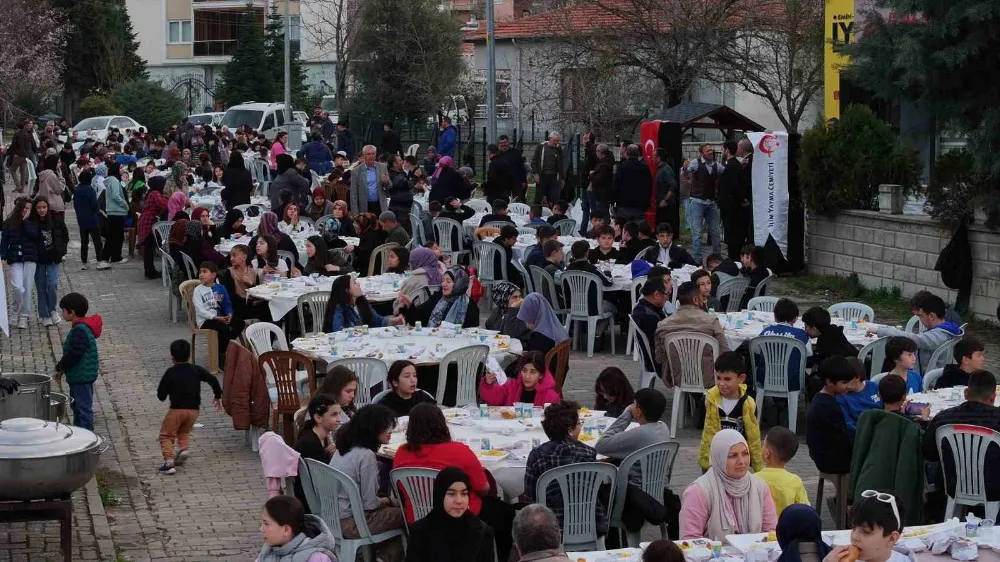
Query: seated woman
[209,231]
[664,550]
[424,273]
[450,304]
[348,307]
[239,277]
[199,248]
[344,219]
[291,223]
[404,394]
[546,330]
[727,500]
[451,531]
[320,206]
[357,443]
[266,260]
[291,534]
[175,246]
[614,392]
[269,227]
[506,299]
[533,384]
[371,236]
[319,260]
[232,227]
[177,206]
[800,535]
[398,260]
[314,440]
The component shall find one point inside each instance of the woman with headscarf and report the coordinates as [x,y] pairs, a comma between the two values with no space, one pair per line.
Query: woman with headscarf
[100,172]
[198,248]
[507,300]
[51,186]
[202,215]
[451,304]
[232,226]
[424,272]
[176,244]
[727,500]
[448,183]
[177,206]
[450,532]
[370,236]
[546,331]
[343,215]
[319,206]
[268,226]
[178,182]
[238,181]
[153,206]
[799,535]
[319,260]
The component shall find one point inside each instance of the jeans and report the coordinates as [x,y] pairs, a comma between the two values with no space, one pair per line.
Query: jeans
[19,172]
[83,405]
[46,281]
[22,277]
[700,212]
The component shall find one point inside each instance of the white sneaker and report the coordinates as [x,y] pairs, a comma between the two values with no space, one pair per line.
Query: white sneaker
[103,265]
[22,322]
[122,262]
[56,319]
[47,322]
[83,267]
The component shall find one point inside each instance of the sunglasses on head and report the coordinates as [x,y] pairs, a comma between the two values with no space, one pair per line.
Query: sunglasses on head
[885,498]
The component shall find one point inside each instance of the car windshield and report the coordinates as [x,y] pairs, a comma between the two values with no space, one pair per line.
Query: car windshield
[328,103]
[236,117]
[92,123]
[200,119]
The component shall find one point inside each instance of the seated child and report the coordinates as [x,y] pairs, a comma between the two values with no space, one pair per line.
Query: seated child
[901,353]
[728,406]
[830,444]
[876,528]
[614,392]
[970,356]
[213,310]
[780,446]
[752,258]
[605,250]
[830,338]
[862,395]
[892,391]
[533,384]
[596,221]
[786,313]
[535,214]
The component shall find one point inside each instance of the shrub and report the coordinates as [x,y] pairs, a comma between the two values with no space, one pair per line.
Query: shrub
[97,104]
[842,165]
[955,189]
[150,104]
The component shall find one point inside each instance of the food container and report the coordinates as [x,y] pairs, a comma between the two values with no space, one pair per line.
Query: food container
[31,400]
[41,459]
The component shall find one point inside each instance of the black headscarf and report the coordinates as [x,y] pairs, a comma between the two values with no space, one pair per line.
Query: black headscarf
[227,230]
[799,523]
[459,538]
[236,160]
[157,183]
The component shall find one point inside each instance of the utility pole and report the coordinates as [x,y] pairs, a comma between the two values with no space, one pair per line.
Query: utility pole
[292,126]
[491,75]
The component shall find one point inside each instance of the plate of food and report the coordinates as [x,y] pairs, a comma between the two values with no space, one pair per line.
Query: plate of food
[507,413]
[453,413]
[491,456]
[767,541]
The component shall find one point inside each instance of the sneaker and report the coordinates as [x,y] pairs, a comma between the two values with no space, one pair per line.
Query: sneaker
[103,265]
[22,322]
[123,261]
[83,267]
[56,318]
[47,322]
[167,468]
[182,457]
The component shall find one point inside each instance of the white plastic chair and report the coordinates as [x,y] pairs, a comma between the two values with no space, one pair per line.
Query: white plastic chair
[931,378]
[519,209]
[852,311]
[417,484]
[635,293]
[762,304]
[652,465]
[288,257]
[316,303]
[327,483]
[380,255]
[190,268]
[968,444]
[262,173]
[419,237]
[529,286]
[161,233]
[578,485]
[370,372]
[762,287]
[305,480]
[545,284]
[468,361]
[913,325]
[479,206]
[498,224]
[777,355]
[259,337]
[487,255]
[526,230]
[647,367]
[566,227]
[577,286]
[943,355]
[734,288]
[877,350]
[173,301]
[685,353]
[448,231]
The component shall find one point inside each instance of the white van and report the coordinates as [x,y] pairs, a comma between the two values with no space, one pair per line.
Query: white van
[267,118]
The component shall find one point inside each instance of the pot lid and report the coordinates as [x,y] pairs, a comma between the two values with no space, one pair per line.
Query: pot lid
[25,438]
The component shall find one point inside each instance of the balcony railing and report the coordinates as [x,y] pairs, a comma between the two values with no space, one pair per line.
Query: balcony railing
[220,48]
[504,111]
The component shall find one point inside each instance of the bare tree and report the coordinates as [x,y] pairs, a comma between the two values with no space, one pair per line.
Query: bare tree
[332,26]
[35,37]
[779,57]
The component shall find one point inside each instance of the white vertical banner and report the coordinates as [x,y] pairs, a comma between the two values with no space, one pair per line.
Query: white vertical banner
[770,188]
[4,320]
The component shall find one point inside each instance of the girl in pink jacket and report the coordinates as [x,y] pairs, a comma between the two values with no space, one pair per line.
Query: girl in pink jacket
[534,384]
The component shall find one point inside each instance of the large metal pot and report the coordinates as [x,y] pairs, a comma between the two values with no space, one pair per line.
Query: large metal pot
[59,407]
[41,459]
[31,399]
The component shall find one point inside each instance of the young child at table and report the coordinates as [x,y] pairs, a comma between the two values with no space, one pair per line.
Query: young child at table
[535,214]
[861,396]
[213,310]
[728,406]
[970,356]
[614,392]
[605,250]
[830,444]
[876,528]
[786,313]
[752,258]
[780,445]
[533,384]
[892,392]
[901,353]
[596,222]
[182,384]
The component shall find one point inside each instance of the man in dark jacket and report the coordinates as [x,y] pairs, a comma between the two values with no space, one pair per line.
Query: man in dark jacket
[601,181]
[665,252]
[633,183]
[649,311]
[447,138]
[345,140]
[400,194]
[513,162]
[970,356]
[88,213]
[390,140]
[667,193]
[547,165]
[499,182]
[21,149]
[536,255]
[589,161]
[733,201]
[499,213]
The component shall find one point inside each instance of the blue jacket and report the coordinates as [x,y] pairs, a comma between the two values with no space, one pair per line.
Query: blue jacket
[318,157]
[447,141]
[349,317]
[853,404]
[87,209]
[18,245]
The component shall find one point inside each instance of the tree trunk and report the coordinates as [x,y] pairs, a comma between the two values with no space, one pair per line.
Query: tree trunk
[71,103]
[671,94]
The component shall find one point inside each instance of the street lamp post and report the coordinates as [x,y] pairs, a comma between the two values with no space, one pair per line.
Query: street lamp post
[491,74]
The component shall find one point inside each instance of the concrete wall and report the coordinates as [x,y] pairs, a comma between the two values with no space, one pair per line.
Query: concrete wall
[900,251]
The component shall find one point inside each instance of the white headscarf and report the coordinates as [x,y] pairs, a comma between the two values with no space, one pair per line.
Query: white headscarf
[746,494]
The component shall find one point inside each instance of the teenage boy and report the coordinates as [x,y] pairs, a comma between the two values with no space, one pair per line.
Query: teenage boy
[499,213]
[535,215]
[665,251]
[80,363]
[728,406]
[579,251]
[554,256]
[752,258]
[536,255]
[213,310]
[647,410]
[703,280]
[830,338]
[892,392]
[786,313]
[830,444]
[605,250]
[862,395]
[876,529]
[901,353]
[506,240]
[182,384]
[596,221]
[558,212]
[950,314]
[716,264]
[970,356]
[780,445]
[938,331]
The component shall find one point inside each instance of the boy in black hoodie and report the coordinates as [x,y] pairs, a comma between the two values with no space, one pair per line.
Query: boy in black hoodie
[970,356]
[830,342]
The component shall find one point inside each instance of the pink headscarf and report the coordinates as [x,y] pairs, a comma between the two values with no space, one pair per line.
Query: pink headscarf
[444,162]
[268,225]
[176,203]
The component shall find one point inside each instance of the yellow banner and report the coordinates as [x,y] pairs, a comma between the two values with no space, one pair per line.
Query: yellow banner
[839,23]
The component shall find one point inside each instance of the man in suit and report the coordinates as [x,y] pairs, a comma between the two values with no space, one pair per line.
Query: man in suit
[369,184]
[665,252]
[733,201]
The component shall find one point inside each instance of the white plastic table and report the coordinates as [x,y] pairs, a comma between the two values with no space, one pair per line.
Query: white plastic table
[282,297]
[471,224]
[744,325]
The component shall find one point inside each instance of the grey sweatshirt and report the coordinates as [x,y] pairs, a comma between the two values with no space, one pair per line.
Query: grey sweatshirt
[618,443]
[927,341]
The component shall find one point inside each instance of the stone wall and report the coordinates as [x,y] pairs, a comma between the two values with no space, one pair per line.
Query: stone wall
[900,251]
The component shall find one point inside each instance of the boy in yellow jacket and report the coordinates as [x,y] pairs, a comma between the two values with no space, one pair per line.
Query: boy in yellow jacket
[727,406]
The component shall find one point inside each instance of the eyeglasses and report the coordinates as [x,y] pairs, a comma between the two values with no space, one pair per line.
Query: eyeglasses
[885,498]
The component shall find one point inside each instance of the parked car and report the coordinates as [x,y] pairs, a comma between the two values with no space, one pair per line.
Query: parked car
[213,118]
[267,118]
[99,127]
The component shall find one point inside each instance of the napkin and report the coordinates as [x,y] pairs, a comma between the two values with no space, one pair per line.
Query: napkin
[494,367]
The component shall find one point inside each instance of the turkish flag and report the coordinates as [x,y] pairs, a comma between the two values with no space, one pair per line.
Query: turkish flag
[649,135]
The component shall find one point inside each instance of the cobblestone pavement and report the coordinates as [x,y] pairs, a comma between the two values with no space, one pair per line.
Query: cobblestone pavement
[209,510]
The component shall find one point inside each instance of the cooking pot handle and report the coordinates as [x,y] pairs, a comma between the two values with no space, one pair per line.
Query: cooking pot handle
[104,446]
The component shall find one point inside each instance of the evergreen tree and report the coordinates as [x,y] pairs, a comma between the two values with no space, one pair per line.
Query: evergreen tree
[274,44]
[247,75]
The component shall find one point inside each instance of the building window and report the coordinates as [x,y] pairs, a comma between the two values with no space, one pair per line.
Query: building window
[179,31]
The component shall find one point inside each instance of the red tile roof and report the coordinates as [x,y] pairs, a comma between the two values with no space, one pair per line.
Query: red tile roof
[580,18]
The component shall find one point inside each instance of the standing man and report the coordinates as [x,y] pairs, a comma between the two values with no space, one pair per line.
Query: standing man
[513,162]
[632,186]
[589,162]
[702,209]
[345,140]
[602,179]
[744,151]
[328,129]
[390,140]
[547,166]
[734,204]
[666,190]
[21,150]
[498,182]
[448,139]
[369,182]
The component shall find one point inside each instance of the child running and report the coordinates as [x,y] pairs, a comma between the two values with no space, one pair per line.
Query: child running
[182,384]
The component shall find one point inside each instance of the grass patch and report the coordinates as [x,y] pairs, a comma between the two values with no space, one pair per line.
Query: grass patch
[108,496]
[849,288]
[121,556]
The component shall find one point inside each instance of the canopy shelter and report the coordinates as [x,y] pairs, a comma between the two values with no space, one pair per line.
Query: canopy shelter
[698,115]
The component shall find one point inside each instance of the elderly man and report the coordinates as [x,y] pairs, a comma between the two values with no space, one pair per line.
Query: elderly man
[689,318]
[396,232]
[369,184]
[632,185]
[547,164]
[537,535]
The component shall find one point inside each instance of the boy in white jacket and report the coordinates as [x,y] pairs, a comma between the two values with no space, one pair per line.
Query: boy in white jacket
[213,310]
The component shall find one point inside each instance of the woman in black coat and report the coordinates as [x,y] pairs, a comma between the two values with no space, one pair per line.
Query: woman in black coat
[450,532]
[238,182]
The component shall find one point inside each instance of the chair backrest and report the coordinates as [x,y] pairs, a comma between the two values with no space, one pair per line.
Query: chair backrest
[417,487]
[370,372]
[327,483]
[877,350]
[162,231]
[566,227]
[316,303]
[645,350]
[448,231]
[288,257]
[284,365]
[479,206]
[168,268]
[468,361]
[190,268]
[578,485]
[685,352]
[761,288]
[734,288]
[419,237]
[518,208]
[324,223]
[968,444]
[380,255]
[913,325]
[186,290]
[529,286]
[776,352]
[653,465]
[578,284]
[762,304]
[308,490]
[340,191]
[419,296]
[852,311]
[635,293]
[497,224]
[259,337]
[557,361]
[526,230]
[943,355]
[487,255]
[546,285]
[931,378]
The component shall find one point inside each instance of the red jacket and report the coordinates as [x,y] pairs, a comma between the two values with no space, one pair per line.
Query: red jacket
[440,456]
[152,208]
[244,390]
[510,392]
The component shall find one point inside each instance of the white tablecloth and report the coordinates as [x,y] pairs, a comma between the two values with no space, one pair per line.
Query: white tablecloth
[740,328]
[471,224]
[283,297]
[209,201]
[944,398]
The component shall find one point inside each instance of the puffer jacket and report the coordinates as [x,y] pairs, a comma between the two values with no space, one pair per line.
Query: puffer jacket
[713,424]
[510,392]
[20,245]
[313,544]
[80,361]
[244,390]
